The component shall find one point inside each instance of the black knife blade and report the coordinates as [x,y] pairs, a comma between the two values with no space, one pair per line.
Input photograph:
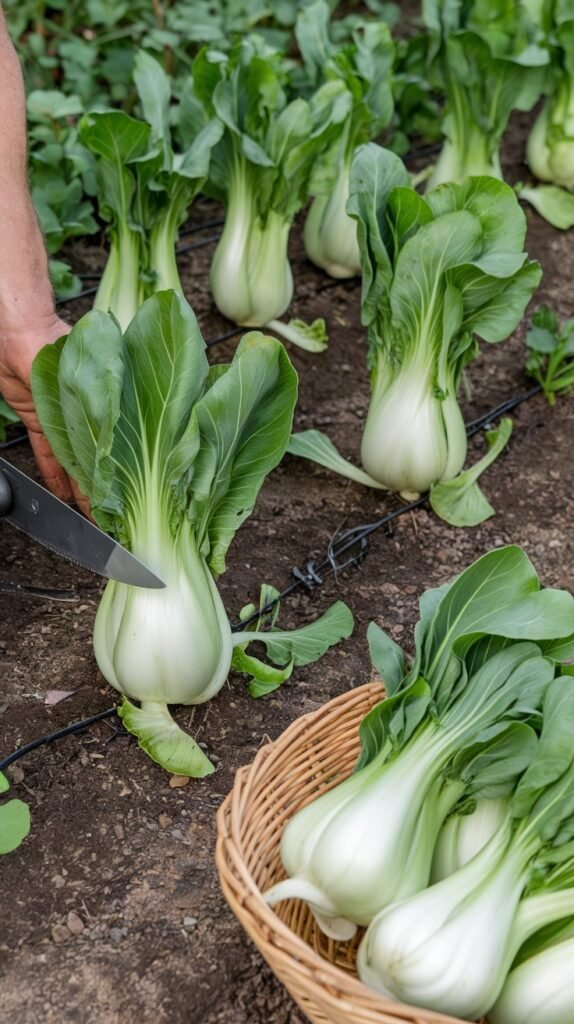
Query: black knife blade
[31,508]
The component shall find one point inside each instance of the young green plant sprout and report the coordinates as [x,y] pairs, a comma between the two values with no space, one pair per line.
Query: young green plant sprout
[457,726]
[365,66]
[172,454]
[438,271]
[551,353]
[261,171]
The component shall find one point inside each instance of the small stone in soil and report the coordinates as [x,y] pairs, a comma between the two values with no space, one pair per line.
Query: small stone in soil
[74,923]
[60,933]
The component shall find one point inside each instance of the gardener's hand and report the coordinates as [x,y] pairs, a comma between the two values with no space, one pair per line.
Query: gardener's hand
[18,346]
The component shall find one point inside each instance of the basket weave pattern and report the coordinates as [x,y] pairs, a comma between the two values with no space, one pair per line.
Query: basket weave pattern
[309,758]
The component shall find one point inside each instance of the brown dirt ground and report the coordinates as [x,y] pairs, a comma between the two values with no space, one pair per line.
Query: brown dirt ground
[110,840]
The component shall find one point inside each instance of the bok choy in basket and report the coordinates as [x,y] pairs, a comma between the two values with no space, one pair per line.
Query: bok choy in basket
[483,712]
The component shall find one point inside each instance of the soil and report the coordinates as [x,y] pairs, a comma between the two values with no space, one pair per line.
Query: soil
[111,909]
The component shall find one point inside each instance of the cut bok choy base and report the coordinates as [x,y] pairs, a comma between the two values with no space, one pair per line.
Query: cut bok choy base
[438,272]
[172,454]
[484,712]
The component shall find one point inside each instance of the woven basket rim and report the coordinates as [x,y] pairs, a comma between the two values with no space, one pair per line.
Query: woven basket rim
[288,945]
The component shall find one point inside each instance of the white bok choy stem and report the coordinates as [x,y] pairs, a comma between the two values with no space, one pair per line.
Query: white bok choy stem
[172,454]
[540,989]
[364,65]
[438,272]
[261,171]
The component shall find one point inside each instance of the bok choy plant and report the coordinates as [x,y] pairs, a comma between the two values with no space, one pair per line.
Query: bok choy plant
[486,59]
[145,190]
[550,346]
[437,272]
[540,987]
[365,66]
[550,147]
[261,171]
[456,726]
[172,454]
[451,947]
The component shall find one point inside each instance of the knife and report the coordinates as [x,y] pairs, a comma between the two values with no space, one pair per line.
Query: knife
[46,519]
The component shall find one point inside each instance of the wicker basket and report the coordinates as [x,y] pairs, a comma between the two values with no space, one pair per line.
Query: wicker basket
[310,757]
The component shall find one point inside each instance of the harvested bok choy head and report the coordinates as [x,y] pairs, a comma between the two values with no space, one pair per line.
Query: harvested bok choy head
[365,67]
[145,190]
[450,948]
[454,727]
[550,147]
[261,172]
[437,271]
[485,58]
[172,454]
[465,833]
[540,987]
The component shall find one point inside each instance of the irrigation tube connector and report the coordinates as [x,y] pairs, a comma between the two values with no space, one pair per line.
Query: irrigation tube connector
[313,575]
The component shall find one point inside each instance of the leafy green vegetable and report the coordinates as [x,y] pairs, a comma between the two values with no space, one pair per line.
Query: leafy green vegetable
[450,947]
[61,178]
[456,726]
[551,353]
[550,148]
[540,987]
[261,171]
[365,67]
[145,190]
[172,456]
[437,271]
[14,820]
[486,59]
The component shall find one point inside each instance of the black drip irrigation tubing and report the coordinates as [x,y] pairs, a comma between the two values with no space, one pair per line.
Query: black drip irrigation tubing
[87,292]
[194,228]
[313,575]
[68,731]
[344,541]
[430,149]
[19,439]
